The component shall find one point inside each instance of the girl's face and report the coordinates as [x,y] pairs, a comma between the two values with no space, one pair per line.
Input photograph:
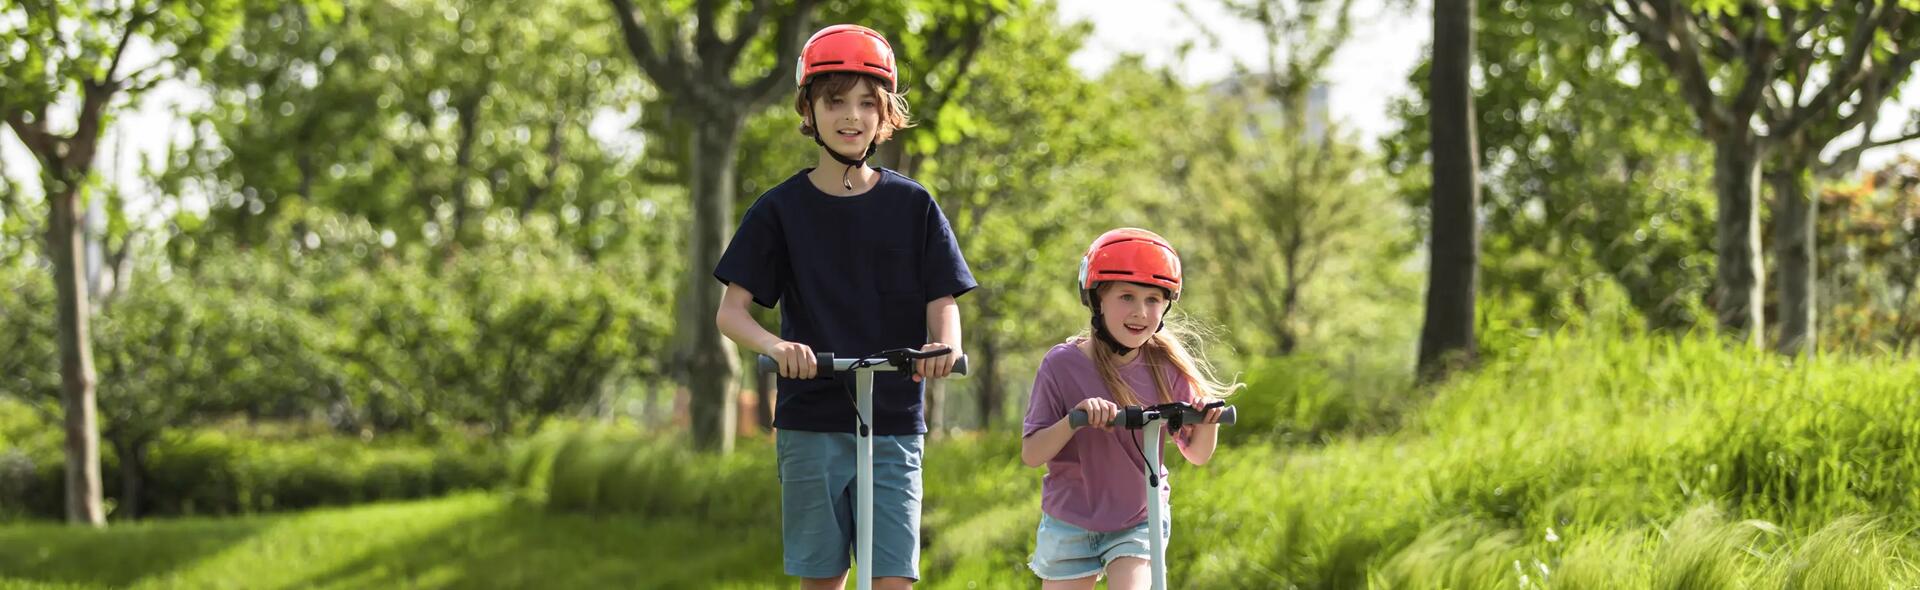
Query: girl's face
[848,122]
[1132,311]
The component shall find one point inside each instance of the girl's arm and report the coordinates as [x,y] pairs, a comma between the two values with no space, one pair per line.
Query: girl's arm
[1038,448]
[1202,437]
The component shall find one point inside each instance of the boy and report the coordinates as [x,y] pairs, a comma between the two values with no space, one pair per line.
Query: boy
[859,260]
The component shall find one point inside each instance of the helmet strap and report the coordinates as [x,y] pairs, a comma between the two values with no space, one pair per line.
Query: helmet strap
[1100,332]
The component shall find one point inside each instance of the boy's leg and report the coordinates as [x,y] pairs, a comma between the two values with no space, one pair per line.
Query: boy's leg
[839,583]
[896,510]
[816,505]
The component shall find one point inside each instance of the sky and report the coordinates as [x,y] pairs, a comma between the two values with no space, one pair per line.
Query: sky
[1365,77]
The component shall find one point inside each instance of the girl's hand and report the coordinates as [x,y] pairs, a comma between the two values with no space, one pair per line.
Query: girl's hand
[1209,417]
[1100,412]
[1213,415]
[796,360]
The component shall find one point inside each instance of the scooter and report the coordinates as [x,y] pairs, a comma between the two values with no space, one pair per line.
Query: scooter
[899,359]
[1152,419]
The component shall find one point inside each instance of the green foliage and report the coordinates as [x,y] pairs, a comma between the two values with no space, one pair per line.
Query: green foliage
[423,117]
[1589,166]
[239,469]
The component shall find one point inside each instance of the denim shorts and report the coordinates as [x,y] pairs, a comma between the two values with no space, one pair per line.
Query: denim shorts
[1062,551]
[817,532]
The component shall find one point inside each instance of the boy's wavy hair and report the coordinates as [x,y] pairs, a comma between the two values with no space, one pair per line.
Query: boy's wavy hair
[893,106]
[1176,351]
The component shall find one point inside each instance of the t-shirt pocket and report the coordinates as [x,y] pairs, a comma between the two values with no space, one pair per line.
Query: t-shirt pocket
[897,275]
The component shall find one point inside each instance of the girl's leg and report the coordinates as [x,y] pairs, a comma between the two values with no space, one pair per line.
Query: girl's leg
[1129,573]
[824,583]
[1085,583]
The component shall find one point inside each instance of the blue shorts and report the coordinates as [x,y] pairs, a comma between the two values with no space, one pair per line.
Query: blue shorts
[817,484]
[1062,551]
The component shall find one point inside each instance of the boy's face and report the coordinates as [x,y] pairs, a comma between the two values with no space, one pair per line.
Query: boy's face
[848,122]
[1131,311]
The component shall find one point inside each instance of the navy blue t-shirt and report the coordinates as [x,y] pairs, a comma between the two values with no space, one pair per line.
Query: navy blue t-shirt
[851,276]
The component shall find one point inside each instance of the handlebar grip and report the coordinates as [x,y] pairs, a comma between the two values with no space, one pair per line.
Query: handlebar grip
[960,365]
[1077,418]
[766,364]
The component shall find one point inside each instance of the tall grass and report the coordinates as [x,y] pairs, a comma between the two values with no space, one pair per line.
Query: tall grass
[1582,462]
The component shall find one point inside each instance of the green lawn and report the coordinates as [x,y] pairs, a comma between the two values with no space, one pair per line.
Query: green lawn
[469,541]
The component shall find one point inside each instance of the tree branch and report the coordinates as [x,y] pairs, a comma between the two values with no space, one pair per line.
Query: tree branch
[1663,27]
[34,134]
[743,34]
[663,72]
[1846,77]
[120,51]
[706,32]
[793,27]
[1758,52]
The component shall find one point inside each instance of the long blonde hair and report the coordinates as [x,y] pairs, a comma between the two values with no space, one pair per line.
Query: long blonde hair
[1179,347]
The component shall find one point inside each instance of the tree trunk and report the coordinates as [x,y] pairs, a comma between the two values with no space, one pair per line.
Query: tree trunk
[469,123]
[1739,285]
[892,154]
[133,468]
[936,399]
[1447,337]
[1793,241]
[76,354]
[763,383]
[555,147]
[988,379]
[710,365]
[984,367]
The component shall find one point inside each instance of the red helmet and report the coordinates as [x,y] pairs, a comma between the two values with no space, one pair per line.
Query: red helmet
[847,48]
[1131,255]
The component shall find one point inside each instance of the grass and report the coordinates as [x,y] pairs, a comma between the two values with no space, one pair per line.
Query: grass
[467,541]
[1584,463]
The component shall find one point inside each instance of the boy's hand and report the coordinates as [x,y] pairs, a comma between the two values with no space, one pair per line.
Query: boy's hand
[937,367]
[796,360]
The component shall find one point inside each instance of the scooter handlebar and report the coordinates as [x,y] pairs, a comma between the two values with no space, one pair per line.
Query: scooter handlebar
[828,364]
[1078,418]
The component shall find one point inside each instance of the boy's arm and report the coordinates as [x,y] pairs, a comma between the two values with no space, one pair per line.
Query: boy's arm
[943,331]
[796,360]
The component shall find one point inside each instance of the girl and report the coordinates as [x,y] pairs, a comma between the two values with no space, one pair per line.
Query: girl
[1094,508]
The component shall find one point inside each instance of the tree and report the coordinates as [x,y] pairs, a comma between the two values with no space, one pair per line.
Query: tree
[1592,173]
[1725,60]
[78,54]
[420,117]
[1803,132]
[1446,336]
[694,66]
[1303,187]
[1302,36]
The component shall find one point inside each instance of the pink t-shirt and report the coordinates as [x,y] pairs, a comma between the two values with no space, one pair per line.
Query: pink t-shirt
[1097,480]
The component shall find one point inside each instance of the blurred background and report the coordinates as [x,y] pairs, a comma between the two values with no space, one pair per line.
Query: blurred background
[372,293]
